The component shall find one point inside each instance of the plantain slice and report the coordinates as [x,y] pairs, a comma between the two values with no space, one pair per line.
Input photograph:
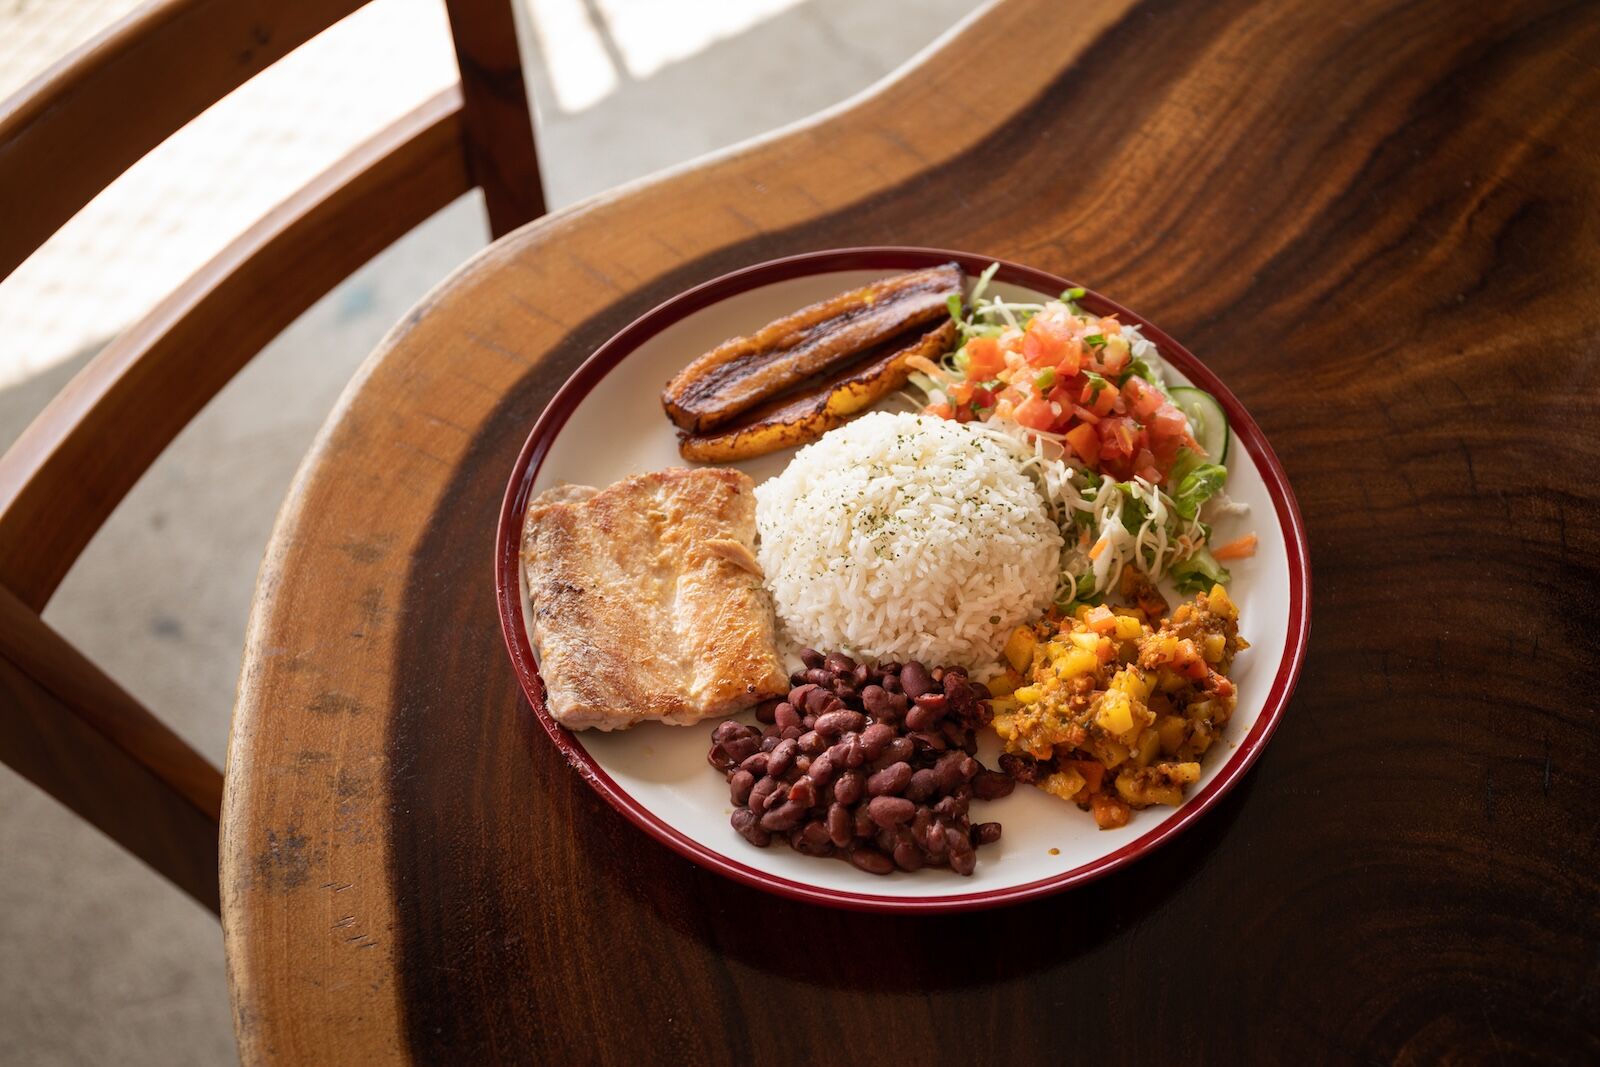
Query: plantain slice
[800,417]
[739,374]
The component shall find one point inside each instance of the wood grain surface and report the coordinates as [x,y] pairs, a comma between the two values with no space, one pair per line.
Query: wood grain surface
[1380,223]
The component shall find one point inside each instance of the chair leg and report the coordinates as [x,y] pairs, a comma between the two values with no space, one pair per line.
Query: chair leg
[498,115]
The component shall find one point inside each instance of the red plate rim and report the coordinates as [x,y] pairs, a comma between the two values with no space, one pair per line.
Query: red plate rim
[614,351]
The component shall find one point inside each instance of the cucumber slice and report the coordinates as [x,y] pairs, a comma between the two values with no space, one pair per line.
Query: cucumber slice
[1206,419]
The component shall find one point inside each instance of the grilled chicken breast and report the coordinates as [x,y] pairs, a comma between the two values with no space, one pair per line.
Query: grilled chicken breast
[647,601]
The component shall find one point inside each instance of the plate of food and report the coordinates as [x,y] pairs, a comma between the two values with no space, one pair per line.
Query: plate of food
[902,579]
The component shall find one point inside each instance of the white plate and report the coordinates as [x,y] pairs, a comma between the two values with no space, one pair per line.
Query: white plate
[607,424]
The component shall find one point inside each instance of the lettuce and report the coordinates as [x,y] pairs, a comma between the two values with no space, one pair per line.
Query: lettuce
[1198,573]
[1200,484]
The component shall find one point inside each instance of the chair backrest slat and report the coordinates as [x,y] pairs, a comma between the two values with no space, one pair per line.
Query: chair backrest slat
[63,723]
[102,108]
[60,480]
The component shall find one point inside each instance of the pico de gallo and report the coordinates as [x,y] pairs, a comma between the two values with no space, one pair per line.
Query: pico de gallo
[1137,459]
[1056,369]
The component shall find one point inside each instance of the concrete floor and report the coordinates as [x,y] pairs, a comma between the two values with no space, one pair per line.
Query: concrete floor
[100,960]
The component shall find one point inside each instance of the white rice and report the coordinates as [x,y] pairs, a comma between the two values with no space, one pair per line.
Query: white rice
[904,537]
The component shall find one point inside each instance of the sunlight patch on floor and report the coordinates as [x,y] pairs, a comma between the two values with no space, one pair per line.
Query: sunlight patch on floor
[173,210]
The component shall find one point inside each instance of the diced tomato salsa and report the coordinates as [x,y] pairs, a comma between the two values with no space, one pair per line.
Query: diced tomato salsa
[1068,374]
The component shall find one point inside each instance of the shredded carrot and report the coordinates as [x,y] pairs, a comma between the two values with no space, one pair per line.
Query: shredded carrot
[1099,547]
[1083,538]
[1243,548]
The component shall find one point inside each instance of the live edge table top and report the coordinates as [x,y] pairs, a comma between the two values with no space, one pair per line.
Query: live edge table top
[1379,223]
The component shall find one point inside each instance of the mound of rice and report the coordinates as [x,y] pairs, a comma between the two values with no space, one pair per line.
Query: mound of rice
[904,536]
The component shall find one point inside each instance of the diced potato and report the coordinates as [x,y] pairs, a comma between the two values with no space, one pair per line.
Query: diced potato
[1084,640]
[1129,789]
[1064,784]
[1171,681]
[1201,709]
[1115,714]
[1145,749]
[1019,649]
[1128,628]
[1221,603]
[1005,683]
[1186,773]
[1171,730]
[1111,753]
[1213,647]
[1170,795]
[1078,661]
[1134,682]
[1140,791]
[1028,694]
[1005,727]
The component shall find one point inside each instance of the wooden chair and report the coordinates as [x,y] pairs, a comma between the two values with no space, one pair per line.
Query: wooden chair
[64,724]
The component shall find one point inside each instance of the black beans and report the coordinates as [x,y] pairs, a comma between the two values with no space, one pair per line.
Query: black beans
[908,855]
[922,785]
[785,715]
[848,789]
[811,839]
[892,779]
[890,811]
[785,816]
[803,791]
[992,785]
[841,827]
[874,764]
[760,792]
[782,756]
[871,860]
[926,712]
[875,699]
[896,751]
[745,821]
[835,723]
[915,680]
[874,738]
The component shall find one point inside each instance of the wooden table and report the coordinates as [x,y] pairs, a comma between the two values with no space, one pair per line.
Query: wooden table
[1379,222]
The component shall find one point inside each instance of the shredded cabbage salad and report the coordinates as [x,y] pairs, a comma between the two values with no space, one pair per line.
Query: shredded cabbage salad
[1148,510]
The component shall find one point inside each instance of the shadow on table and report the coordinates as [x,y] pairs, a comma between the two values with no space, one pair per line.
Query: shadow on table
[901,953]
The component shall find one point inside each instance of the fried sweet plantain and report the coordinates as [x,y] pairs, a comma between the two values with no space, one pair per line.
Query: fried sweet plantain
[799,417]
[740,374]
